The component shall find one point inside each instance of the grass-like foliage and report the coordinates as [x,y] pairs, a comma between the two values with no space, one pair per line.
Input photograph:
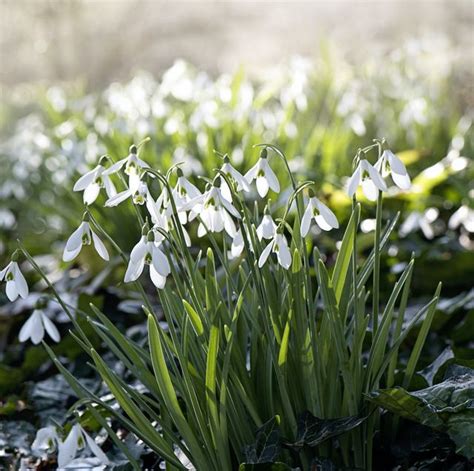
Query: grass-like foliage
[267,354]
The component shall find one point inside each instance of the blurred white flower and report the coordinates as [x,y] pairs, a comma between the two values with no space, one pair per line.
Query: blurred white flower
[76,440]
[279,246]
[323,216]
[417,220]
[369,178]
[147,252]
[464,216]
[263,175]
[16,283]
[238,244]
[390,164]
[36,325]
[83,235]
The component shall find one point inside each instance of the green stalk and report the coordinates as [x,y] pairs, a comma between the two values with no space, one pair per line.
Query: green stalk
[376,274]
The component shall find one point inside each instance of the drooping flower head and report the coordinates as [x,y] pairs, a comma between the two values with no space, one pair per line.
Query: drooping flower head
[92,181]
[16,283]
[267,227]
[133,164]
[390,164]
[279,246]
[321,214]
[147,252]
[263,175]
[368,178]
[83,235]
[37,324]
[236,176]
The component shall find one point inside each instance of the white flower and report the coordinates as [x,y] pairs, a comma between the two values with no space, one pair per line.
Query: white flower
[147,252]
[16,283]
[369,178]
[83,235]
[323,216]
[91,183]
[132,164]
[34,328]
[417,220]
[263,175]
[137,190]
[231,172]
[183,193]
[45,440]
[76,440]
[463,216]
[238,245]
[390,164]
[215,212]
[279,246]
[267,228]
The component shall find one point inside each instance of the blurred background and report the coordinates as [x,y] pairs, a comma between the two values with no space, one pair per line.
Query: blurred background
[317,79]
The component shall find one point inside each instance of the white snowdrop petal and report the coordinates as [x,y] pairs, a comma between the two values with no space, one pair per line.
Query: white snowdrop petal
[396,165]
[237,244]
[306,220]
[96,450]
[109,186]
[37,328]
[21,285]
[84,181]
[327,215]
[376,178]
[160,262]
[202,231]
[264,255]
[75,239]
[402,181]
[114,168]
[118,198]
[27,328]
[50,328]
[158,280]
[225,191]
[262,186]
[322,223]
[134,270]
[4,271]
[68,448]
[252,173]
[231,209]
[91,193]
[354,182]
[229,224]
[72,254]
[369,189]
[134,182]
[11,290]
[272,179]
[284,256]
[99,246]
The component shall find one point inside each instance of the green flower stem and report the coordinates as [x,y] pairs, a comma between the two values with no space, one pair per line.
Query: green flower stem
[376,274]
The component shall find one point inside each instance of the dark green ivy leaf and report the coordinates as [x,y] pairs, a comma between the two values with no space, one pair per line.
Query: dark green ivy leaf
[447,406]
[267,444]
[312,430]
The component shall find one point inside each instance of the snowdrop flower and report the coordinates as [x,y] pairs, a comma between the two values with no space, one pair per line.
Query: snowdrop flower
[133,164]
[91,183]
[34,328]
[390,164]
[322,215]
[423,221]
[76,440]
[267,228]
[464,216]
[238,245]
[279,246]
[234,174]
[215,212]
[147,252]
[16,283]
[369,178]
[83,235]
[263,175]
[137,190]
[45,440]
